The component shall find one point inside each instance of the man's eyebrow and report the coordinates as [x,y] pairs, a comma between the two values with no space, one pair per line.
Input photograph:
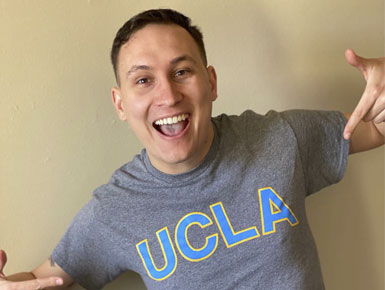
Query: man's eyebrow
[135,68]
[176,60]
[182,58]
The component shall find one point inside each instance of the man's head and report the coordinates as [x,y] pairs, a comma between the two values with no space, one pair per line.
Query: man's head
[165,92]
[154,16]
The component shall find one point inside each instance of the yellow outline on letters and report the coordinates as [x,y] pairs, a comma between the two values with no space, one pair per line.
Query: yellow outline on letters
[164,255]
[231,227]
[277,221]
[185,233]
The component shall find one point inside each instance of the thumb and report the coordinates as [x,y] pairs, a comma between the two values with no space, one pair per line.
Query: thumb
[357,61]
[3,260]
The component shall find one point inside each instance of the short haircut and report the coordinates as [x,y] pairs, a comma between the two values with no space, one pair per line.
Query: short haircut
[154,16]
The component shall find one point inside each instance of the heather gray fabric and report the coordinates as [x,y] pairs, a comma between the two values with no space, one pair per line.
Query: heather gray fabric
[239,215]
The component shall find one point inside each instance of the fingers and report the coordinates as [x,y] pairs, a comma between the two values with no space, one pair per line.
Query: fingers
[380,118]
[359,113]
[377,111]
[48,282]
[359,62]
[3,261]
[36,284]
[372,103]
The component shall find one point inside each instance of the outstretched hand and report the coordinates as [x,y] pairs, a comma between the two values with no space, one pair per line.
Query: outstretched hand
[371,106]
[3,260]
[25,285]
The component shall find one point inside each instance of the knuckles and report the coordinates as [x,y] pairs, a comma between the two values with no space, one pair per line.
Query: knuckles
[376,91]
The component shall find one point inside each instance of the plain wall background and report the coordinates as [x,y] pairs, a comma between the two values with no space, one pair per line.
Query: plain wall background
[60,137]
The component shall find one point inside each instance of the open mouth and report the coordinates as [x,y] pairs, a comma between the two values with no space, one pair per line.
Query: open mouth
[172,126]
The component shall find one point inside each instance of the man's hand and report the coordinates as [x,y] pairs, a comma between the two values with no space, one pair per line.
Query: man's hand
[371,107]
[25,285]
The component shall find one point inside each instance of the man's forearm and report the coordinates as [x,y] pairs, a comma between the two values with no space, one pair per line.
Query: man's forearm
[24,276]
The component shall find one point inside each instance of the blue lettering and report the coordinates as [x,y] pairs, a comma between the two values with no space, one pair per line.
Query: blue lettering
[230,237]
[182,242]
[170,259]
[273,210]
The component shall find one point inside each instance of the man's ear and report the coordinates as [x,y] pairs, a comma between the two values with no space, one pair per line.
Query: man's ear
[213,81]
[118,103]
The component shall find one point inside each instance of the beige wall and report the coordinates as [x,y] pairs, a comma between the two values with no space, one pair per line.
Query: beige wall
[60,137]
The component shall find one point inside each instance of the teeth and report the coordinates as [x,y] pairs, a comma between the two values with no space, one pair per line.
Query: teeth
[171,120]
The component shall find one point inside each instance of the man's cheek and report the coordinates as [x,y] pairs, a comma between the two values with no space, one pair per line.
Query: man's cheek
[138,109]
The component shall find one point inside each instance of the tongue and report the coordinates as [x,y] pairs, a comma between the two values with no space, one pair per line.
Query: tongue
[173,129]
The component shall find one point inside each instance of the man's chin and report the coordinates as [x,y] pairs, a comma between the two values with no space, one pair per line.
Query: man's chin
[173,163]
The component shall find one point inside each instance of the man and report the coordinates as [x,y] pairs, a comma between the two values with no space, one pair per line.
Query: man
[210,202]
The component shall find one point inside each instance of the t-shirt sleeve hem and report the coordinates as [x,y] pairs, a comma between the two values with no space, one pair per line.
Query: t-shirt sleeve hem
[66,268]
[345,147]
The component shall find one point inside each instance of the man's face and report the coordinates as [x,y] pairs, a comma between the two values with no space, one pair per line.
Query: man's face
[166,96]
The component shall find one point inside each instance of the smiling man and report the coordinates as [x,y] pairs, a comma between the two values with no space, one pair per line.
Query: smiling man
[209,203]
[165,93]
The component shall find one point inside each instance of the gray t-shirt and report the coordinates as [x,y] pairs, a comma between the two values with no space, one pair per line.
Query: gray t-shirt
[236,221]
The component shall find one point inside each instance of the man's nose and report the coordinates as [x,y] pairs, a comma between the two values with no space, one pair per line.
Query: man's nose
[168,94]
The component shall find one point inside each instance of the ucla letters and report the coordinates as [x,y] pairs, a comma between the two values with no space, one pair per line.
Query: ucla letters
[273,210]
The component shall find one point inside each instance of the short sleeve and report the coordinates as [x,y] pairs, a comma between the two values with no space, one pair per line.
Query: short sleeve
[84,252]
[322,148]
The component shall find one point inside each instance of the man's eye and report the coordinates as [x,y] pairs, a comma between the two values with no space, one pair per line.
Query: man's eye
[142,81]
[181,72]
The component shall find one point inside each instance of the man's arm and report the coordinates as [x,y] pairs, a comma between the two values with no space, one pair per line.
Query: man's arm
[50,268]
[366,136]
[43,277]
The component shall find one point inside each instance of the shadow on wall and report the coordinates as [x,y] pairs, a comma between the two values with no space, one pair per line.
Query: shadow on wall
[347,236]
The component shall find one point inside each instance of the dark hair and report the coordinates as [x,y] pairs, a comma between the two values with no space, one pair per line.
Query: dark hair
[157,16]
